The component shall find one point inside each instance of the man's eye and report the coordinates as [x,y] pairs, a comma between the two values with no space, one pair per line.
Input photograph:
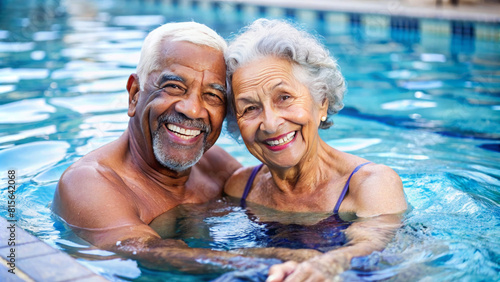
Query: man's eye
[213,98]
[213,95]
[172,88]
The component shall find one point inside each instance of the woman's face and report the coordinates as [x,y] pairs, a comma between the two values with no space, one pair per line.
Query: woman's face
[276,114]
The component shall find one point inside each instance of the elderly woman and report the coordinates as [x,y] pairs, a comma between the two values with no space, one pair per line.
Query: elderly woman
[284,87]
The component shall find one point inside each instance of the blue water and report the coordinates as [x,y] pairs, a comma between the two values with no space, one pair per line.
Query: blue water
[425,104]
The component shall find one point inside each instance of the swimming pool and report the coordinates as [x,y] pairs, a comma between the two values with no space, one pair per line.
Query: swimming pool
[420,99]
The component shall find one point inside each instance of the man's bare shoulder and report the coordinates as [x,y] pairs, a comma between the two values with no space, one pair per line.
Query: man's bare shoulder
[87,187]
[85,171]
[96,166]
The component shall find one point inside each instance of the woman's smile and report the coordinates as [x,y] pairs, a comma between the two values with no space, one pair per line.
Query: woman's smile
[281,142]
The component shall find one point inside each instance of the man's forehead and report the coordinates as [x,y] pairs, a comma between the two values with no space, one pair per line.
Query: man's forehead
[179,48]
[187,75]
[197,57]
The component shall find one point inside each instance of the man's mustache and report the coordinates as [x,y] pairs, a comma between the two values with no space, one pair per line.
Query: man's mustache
[181,119]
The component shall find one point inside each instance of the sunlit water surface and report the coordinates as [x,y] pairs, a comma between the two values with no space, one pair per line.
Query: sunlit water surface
[427,106]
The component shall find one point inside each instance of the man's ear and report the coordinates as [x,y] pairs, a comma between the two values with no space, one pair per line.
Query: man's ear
[133,88]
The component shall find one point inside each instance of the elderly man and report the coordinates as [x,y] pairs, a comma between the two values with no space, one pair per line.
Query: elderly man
[165,158]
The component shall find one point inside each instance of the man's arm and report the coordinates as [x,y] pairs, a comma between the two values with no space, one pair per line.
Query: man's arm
[101,213]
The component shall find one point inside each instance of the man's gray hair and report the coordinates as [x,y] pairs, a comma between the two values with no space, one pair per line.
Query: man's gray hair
[313,65]
[192,32]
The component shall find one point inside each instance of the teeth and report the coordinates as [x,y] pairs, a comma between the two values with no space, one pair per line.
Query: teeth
[182,132]
[282,141]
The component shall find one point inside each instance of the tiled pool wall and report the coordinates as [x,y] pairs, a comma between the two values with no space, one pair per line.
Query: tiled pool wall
[33,260]
[383,19]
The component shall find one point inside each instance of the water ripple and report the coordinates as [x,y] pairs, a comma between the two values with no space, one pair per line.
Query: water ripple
[21,157]
[94,103]
[23,111]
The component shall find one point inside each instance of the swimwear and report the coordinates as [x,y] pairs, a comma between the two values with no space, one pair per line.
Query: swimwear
[326,235]
[339,201]
[249,185]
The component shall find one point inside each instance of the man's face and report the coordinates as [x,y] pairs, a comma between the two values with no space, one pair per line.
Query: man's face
[183,104]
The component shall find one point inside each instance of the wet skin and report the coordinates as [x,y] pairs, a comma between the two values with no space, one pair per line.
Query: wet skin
[110,195]
[278,121]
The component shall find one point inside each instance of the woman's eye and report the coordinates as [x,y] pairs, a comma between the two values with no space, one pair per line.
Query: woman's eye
[285,97]
[249,109]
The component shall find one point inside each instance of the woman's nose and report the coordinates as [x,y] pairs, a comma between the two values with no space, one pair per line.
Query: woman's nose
[270,120]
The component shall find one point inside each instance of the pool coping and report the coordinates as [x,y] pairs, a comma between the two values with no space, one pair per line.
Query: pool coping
[466,22]
[415,9]
[24,257]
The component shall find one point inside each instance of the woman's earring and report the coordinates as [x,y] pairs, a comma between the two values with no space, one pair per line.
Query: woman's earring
[323,118]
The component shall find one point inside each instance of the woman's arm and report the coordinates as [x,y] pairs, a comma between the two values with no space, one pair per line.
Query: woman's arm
[365,236]
[377,197]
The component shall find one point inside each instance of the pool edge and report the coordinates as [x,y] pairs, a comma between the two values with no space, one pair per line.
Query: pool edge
[31,259]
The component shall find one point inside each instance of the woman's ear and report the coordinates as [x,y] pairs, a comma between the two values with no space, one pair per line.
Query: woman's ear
[323,109]
[133,88]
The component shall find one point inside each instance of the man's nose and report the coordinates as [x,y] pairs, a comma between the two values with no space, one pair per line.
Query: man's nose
[192,106]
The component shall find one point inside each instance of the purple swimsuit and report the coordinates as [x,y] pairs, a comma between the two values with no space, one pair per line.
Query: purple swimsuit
[339,201]
[323,236]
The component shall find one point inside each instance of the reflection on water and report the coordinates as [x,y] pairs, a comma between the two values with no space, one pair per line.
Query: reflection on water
[425,104]
[212,225]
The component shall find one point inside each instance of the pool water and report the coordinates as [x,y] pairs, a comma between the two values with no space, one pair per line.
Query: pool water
[425,104]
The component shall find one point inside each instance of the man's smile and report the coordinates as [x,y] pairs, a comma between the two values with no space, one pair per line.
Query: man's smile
[183,132]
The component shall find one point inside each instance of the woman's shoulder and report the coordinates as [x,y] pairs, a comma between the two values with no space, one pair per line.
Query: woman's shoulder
[377,189]
[235,185]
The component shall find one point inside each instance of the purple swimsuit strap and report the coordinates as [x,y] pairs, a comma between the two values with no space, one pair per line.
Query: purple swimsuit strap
[346,187]
[256,169]
[249,185]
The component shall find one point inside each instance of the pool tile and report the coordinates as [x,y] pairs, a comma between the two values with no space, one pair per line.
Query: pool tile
[435,26]
[37,261]
[376,26]
[28,250]
[92,278]
[6,276]
[21,237]
[337,22]
[307,16]
[275,12]
[53,267]
[489,32]
[251,10]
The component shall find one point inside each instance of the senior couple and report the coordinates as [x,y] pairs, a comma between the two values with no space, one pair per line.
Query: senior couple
[279,86]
